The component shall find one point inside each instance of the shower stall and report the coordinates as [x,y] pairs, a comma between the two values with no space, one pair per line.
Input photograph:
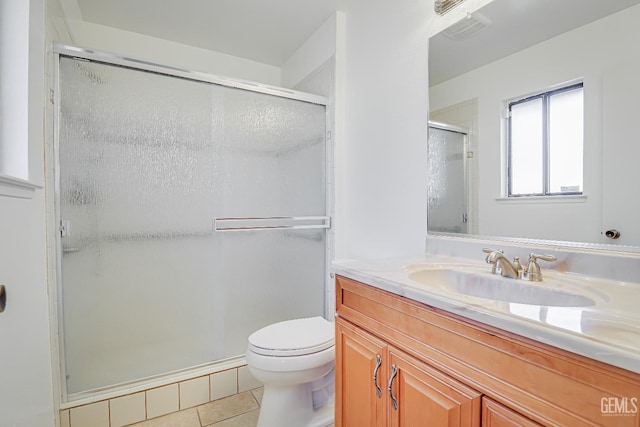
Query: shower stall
[447,151]
[192,211]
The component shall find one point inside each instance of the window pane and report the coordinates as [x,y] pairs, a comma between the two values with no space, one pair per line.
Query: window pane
[565,142]
[526,148]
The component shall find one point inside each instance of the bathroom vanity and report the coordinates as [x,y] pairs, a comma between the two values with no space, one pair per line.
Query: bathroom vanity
[413,355]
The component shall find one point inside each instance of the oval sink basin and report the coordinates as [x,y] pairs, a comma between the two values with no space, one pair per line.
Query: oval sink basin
[490,286]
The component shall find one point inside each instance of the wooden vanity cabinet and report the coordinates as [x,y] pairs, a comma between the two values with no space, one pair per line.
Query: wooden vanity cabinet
[361,377]
[423,396]
[383,386]
[443,370]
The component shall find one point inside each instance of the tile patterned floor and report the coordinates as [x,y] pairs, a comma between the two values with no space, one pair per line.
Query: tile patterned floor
[240,410]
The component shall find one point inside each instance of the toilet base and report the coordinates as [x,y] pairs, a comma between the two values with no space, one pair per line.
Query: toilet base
[323,417]
[292,405]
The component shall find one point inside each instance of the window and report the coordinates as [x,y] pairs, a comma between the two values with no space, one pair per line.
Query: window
[14,62]
[21,97]
[545,143]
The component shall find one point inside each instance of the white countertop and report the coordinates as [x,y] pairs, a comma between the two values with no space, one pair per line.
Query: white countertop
[607,331]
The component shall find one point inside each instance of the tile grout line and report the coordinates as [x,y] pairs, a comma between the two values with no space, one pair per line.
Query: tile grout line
[179,385]
[209,400]
[197,410]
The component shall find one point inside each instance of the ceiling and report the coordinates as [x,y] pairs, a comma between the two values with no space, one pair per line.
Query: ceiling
[270,31]
[515,25]
[266,31]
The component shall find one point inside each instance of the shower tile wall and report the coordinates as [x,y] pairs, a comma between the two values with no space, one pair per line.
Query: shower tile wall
[172,398]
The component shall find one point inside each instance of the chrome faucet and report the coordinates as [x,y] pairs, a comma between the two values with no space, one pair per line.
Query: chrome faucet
[501,265]
[505,268]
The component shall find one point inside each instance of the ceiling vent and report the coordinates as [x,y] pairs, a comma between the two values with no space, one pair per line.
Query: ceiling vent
[467,26]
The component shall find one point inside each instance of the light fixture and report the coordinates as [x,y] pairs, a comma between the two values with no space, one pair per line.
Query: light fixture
[443,6]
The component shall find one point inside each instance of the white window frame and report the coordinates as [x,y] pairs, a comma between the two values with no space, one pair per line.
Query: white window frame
[546,193]
[21,97]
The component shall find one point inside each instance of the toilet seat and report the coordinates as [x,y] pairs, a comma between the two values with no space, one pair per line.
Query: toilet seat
[293,337]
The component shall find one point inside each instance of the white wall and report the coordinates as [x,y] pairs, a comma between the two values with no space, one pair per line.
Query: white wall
[26,386]
[591,50]
[382,200]
[313,53]
[100,37]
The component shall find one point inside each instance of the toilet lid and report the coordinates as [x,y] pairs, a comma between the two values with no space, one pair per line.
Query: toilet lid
[293,337]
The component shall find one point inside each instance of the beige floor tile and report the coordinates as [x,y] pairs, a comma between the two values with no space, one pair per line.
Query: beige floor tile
[257,393]
[250,419]
[226,408]
[186,418]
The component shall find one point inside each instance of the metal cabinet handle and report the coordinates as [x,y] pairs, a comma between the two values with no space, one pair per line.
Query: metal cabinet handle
[375,375]
[394,372]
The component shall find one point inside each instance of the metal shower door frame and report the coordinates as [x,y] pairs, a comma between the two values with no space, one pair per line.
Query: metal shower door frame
[56,227]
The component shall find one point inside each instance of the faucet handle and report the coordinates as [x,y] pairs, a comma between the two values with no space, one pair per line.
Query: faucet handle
[490,251]
[492,254]
[532,270]
[547,257]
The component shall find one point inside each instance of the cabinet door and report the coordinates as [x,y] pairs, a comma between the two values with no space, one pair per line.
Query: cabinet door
[422,396]
[359,358]
[496,415]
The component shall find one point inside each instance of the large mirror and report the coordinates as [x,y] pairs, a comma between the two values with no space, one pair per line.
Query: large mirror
[514,48]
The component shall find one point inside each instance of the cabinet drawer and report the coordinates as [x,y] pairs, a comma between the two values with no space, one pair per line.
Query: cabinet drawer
[497,415]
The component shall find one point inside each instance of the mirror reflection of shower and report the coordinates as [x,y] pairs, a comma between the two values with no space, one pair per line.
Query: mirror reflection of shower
[447,152]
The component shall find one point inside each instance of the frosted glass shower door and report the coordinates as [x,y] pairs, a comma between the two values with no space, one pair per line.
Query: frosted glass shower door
[447,189]
[272,166]
[146,163]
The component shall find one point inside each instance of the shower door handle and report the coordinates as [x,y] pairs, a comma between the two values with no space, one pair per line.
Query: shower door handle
[65,228]
[271,223]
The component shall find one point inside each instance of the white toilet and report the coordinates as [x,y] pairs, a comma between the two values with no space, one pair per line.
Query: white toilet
[294,360]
